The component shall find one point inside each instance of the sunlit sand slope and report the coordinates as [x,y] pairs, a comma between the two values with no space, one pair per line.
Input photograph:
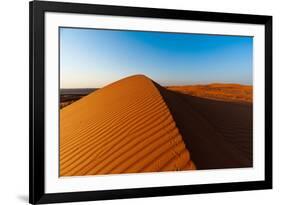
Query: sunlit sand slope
[125,127]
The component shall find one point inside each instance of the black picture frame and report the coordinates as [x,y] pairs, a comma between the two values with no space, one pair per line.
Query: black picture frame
[37,10]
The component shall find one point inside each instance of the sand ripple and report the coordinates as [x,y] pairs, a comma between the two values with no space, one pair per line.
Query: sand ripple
[125,127]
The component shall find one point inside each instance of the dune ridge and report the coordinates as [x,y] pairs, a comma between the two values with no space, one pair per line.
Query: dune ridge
[125,127]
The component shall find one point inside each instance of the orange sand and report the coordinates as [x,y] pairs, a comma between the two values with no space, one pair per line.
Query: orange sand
[125,127]
[217,91]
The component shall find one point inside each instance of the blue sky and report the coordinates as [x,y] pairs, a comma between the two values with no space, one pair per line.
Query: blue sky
[92,58]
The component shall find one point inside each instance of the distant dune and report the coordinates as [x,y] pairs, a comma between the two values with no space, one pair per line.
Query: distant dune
[125,127]
[216,91]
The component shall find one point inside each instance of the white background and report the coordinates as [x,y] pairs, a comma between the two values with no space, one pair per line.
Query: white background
[14,100]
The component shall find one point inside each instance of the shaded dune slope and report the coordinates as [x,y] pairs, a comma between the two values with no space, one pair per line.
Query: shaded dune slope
[125,127]
[218,134]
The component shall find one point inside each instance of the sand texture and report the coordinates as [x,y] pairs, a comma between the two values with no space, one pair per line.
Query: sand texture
[125,127]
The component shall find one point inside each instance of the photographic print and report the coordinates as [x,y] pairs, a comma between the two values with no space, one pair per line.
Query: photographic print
[129,102]
[147,101]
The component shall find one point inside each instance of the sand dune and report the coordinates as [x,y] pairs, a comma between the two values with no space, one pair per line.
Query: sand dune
[125,127]
[135,125]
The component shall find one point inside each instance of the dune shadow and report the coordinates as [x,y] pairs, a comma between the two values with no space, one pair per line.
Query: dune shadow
[218,134]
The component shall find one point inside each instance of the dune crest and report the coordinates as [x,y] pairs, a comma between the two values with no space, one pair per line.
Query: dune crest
[125,127]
